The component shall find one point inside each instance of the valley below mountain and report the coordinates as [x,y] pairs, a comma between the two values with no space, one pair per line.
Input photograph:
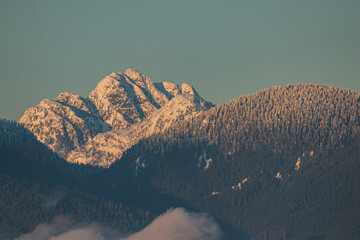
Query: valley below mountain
[282,163]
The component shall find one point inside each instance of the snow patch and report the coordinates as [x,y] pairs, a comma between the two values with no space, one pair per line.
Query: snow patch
[208,161]
[239,186]
[139,165]
[202,160]
[297,165]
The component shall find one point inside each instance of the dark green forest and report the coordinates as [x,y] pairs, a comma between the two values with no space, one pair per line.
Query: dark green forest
[283,163]
[297,146]
[36,186]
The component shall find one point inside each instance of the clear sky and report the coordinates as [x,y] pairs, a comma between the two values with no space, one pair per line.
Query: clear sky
[224,48]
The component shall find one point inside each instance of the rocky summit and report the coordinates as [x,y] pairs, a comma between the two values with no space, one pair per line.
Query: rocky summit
[121,110]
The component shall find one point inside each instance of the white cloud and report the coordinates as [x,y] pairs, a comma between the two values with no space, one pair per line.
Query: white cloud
[178,224]
[175,224]
[88,233]
[46,231]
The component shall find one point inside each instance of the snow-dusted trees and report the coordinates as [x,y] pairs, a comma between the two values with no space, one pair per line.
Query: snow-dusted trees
[279,122]
[314,114]
[296,143]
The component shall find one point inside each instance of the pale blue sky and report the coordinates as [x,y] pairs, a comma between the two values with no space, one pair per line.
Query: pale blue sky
[224,48]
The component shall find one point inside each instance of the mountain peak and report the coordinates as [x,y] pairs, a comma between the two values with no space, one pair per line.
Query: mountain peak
[119,101]
[133,73]
[131,69]
[188,89]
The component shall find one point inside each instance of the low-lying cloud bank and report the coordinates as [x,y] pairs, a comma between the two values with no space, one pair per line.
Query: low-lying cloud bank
[175,224]
[64,229]
[179,224]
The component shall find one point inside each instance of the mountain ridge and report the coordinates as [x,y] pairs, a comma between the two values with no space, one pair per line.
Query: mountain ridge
[119,101]
[282,163]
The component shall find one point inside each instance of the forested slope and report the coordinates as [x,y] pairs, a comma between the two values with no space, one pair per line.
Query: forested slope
[281,163]
[36,186]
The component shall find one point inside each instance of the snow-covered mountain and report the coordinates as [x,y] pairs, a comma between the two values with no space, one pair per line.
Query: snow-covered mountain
[121,110]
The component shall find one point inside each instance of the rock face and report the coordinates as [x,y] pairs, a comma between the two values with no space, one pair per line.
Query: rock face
[64,123]
[121,110]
